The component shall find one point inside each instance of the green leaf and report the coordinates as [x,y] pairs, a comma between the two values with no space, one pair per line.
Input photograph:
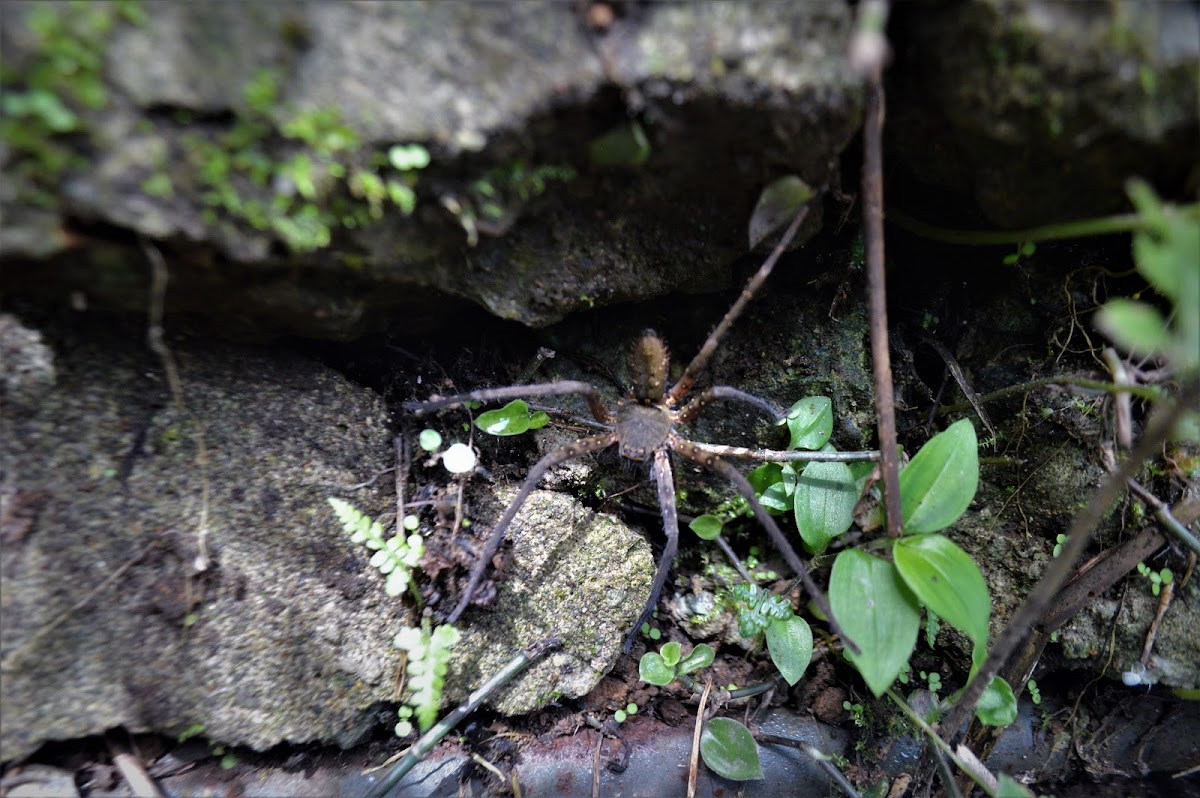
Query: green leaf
[776,499]
[1136,327]
[777,205]
[824,500]
[538,419]
[728,749]
[671,653]
[764,477]
[1008,788]
[430,440]
[622,146]
[948,582]
[790,643]
[701,657]
[811,423]
[653,669]
[997,706]
[940,481]
[512,419]
[878,612]
[706,527]
[406,157]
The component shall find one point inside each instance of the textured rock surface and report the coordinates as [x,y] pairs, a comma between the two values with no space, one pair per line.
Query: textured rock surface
[106,499]
[482,86]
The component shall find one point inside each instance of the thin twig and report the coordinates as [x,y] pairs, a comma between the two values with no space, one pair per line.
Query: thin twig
[1147,392]
[871,17]
[1162,511]
[694,762]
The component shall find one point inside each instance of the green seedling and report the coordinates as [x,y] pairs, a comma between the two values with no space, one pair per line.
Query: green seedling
[1157,578]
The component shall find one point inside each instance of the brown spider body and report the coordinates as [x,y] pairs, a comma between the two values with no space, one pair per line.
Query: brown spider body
[644,429]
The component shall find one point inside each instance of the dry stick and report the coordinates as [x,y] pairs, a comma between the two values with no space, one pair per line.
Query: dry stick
[694,763]
[1061,567]
[1162,511]
[877,302]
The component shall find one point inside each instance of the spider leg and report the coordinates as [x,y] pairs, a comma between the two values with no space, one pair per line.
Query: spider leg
[660,469]
[583,446]
[693,408]
[778,456]
[688,378]
[595,404]
[714,463]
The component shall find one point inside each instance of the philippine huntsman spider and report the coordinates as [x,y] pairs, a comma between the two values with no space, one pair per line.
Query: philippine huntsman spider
[644,429]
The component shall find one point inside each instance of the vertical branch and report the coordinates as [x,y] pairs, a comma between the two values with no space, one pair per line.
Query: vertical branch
[868,53]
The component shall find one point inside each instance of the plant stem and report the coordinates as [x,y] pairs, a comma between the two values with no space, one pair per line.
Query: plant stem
[1162,511]
[1104,225]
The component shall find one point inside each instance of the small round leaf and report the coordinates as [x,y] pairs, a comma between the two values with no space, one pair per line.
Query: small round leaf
[706,527]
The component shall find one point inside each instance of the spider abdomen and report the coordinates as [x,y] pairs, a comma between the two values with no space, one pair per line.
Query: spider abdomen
[641,429]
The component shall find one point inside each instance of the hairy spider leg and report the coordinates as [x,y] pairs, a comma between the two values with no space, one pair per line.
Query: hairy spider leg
[688,378]
[664,478]
[709,395]
[584,446]
[589,392]
[714,463]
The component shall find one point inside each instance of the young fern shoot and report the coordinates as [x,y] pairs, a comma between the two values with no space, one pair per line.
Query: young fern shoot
[643,428]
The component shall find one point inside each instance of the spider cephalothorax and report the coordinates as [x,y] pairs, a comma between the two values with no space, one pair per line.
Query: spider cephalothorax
[644,429]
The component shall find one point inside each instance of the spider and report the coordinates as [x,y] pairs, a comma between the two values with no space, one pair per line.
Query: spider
[643,428]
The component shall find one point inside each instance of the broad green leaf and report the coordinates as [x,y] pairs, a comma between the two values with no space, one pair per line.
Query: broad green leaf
[671,652]
[790,643]
[1134,326]
[1008,788]
[706,527]
[948,582]
[811,423]
[512,419]
[652,669]
[940,481]
[729,750]
[701,657]
[777,205]
[997,706]
[824,500]
[878,612]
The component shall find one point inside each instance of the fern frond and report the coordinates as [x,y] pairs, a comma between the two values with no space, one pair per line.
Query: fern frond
[395,557]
